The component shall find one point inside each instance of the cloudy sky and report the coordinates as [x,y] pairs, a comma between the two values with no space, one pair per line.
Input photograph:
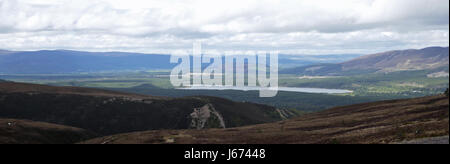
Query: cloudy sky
[161,26]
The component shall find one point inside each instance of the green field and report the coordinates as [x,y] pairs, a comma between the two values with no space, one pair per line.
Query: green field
[391,85]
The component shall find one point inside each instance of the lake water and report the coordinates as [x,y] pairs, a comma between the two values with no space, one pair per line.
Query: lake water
[280,89]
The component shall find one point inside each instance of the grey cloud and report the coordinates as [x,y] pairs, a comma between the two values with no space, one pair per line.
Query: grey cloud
[352,25]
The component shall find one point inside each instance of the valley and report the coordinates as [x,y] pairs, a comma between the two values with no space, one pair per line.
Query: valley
[139,105]
[369,78]
[123,118]
[364,87]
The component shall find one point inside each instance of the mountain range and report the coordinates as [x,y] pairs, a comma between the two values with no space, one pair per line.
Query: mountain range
[431,58]
[65,61]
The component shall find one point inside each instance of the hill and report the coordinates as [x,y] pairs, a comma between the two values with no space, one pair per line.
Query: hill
[29,132]
[378,122]
[107,112]
[392,61]
[13,87]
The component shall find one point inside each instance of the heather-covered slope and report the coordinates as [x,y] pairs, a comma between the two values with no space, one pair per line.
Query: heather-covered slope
[106,112]
[378,122]
[14,131]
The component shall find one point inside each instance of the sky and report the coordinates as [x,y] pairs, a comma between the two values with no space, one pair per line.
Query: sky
[163,26]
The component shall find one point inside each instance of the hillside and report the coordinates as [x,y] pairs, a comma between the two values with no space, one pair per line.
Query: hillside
[13,87]
[392,61]
[107,112]
[29,132]
[380,122]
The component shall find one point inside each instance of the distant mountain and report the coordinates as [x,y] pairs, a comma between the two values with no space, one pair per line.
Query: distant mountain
[64,61]
[392,61]
[370,123]
[4,52]
[108,112]
[292,61]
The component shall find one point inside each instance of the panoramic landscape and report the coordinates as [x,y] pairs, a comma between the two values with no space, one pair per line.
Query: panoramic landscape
[109,73]
[110,103]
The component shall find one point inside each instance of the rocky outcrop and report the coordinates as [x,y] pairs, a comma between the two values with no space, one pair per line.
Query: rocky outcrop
[206,117]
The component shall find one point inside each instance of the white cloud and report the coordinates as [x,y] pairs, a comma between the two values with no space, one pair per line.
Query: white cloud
[308,26]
